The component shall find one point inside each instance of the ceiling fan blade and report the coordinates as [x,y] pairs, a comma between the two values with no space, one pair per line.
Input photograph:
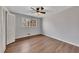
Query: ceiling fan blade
[43,12]
[42,8]
[37,9]
[33,9]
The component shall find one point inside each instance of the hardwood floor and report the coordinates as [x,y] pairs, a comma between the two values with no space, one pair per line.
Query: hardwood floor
[40,44]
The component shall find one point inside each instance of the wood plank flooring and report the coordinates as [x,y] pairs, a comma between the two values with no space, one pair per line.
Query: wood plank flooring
[40,44]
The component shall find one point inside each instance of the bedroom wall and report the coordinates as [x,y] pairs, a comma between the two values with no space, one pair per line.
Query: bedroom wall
[63,25]
[22,31]
[0,29]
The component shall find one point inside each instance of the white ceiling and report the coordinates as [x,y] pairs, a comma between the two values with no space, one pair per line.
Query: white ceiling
[28,11]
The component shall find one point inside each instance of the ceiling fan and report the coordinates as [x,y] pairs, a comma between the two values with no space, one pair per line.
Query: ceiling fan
[39,10]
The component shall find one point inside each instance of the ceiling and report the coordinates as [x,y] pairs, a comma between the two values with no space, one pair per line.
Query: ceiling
[28,11]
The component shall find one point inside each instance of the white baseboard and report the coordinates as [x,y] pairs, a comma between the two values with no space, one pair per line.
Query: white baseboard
[62,40]
[25,36]
[20,36]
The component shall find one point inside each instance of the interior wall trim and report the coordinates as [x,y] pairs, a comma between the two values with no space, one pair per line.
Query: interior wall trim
[75,44]
[27,37]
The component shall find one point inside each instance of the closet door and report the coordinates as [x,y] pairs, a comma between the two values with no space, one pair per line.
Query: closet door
[10,28]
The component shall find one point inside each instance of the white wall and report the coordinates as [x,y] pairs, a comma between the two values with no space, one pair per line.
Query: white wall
[63,25]
[0,29]
[22,31]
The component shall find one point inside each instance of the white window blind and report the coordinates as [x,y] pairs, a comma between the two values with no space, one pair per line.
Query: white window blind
[29,23]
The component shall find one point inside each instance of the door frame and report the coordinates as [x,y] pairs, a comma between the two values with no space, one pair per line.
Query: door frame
[4,9]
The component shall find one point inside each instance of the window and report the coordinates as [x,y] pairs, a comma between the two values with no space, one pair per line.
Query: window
[29,23]
[33,23]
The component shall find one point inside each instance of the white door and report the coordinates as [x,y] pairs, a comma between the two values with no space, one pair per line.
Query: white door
[10,28]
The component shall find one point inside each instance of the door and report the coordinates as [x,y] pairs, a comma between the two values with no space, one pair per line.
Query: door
[10,28]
